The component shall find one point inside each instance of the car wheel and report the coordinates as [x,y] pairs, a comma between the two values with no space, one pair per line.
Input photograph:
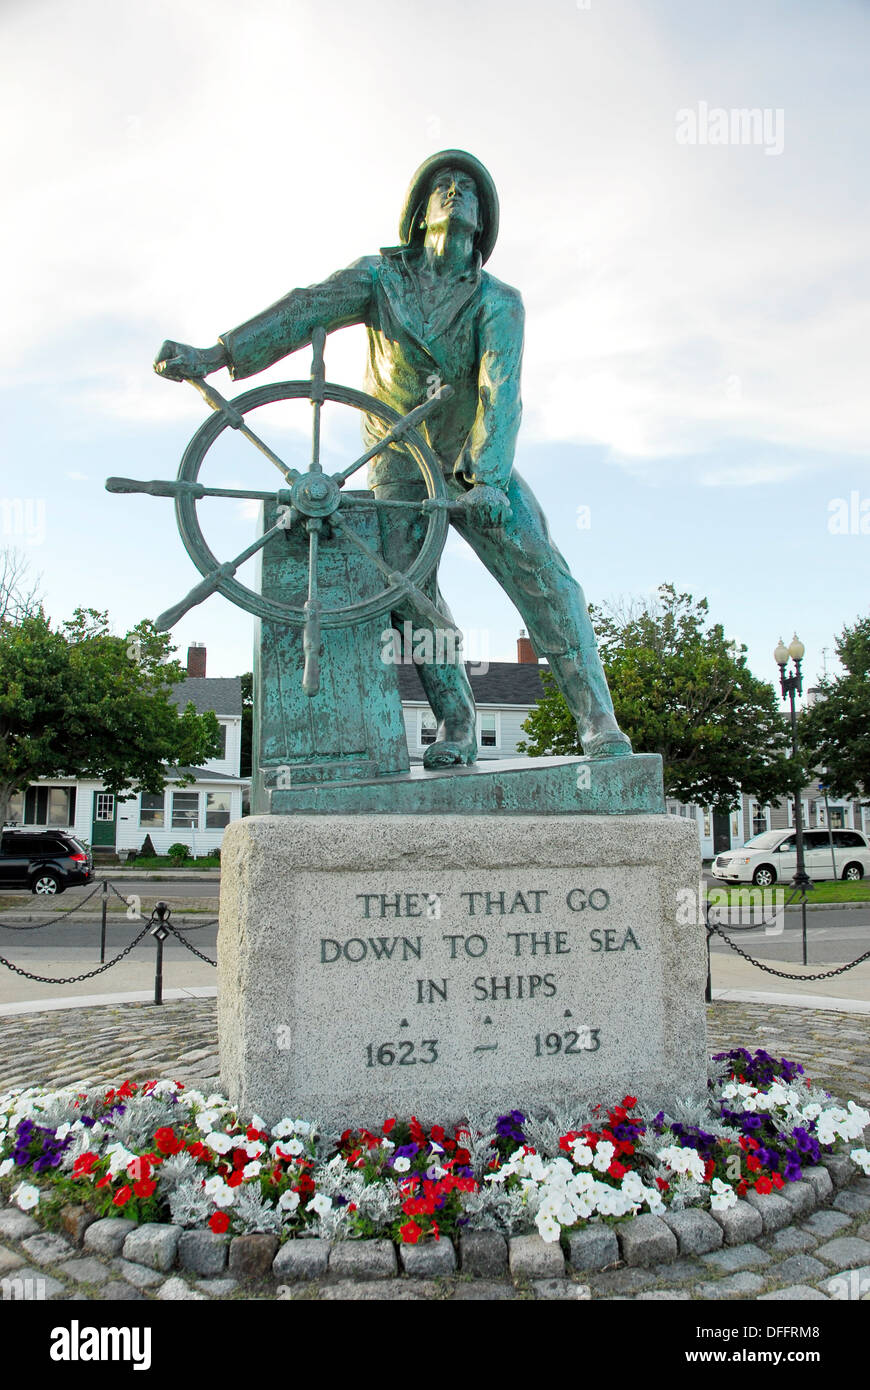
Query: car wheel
[853,872]
[46,884]
[764,876]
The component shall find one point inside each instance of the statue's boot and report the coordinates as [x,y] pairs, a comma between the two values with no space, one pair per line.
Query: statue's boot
[580,677]
[448,691]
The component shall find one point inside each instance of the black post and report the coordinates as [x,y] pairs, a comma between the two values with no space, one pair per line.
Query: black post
[792,685]
[105,905]
[159,931]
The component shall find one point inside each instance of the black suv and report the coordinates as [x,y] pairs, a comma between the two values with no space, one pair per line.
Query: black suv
[45,861]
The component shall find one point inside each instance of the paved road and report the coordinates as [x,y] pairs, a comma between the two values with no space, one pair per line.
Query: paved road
[832,936]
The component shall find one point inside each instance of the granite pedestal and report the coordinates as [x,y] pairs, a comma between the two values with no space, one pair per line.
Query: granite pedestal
[446,965]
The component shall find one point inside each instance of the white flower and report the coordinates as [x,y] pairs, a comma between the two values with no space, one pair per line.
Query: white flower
[288,1202]
[859,1156]
[26,1196]
[206,1120]
[401,1164]
[286,1148]
[723,1196]
[582,1154]
[120,1157]
[6,1166]
[218,1143]
[251,1169]
[320,1203]
[257,1123]
[603,1156]
[220,1193]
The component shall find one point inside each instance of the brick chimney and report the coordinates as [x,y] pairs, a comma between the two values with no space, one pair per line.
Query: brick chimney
[525,650]
[196,659]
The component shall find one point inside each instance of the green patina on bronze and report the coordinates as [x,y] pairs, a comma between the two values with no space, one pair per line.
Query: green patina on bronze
[440,415]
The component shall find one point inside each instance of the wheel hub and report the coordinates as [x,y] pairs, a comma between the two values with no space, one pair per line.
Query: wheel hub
[314,494]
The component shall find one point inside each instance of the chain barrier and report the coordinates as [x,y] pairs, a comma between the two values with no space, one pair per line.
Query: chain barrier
[188,947]
[194,926]
[177,932]
[58,916]
[752,926]
[824,975]
[75,979]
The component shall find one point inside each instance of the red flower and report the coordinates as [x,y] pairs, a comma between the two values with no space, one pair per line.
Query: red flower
[197,1150]
[388,1125]
[630,1102]
[742,1187]
[763,1185]
[103,1182]
[617,1170]
[251,1133]
[777,1180]
[410,1232]
[709,1169]
[167,1140]
[662,1185]
[84,1163]
[122,1196]
[145,1188]
[139,1169]
[240,1158]
[236,1179]
[219,1222]
[753,1162]
[462,1157]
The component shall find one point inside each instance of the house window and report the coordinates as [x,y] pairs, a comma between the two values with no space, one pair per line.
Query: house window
[759,819]
[46,806]
[428,727]
[217,810]
[708,825]
[185,810]
[221,756]
[488,730]
[16,809]
[804,813]
[151,810]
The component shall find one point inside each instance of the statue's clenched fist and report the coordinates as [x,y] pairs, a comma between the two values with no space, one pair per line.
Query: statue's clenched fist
[181,362]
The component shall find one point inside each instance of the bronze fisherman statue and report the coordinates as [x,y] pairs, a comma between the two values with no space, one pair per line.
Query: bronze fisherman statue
[434,316]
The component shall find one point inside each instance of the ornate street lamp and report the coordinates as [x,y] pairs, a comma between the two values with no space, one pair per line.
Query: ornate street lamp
[791,685]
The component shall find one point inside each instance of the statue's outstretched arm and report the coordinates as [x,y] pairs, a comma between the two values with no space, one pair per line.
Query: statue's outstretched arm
[288,324]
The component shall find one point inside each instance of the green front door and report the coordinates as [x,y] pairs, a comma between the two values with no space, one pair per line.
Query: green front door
[103,819]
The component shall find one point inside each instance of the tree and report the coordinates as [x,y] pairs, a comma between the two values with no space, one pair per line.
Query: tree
[79,702]
[835,731]
[19,594]
[682,690]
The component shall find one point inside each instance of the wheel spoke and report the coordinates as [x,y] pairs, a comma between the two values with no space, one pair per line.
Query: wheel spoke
[317,393]
[211,581]
[312,643]
[180,487]
[236,420]
[407,590]
[410,421]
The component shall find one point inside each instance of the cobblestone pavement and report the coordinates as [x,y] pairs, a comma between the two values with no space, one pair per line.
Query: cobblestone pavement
[815,1254]
[113,1041]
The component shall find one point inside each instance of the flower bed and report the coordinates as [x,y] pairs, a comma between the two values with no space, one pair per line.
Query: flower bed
[159,1152]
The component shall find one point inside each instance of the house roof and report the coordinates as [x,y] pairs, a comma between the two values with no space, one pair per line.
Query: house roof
[502,683]
[222,694]
[202,774]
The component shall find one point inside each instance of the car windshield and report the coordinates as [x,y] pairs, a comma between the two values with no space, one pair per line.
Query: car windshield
[766,840]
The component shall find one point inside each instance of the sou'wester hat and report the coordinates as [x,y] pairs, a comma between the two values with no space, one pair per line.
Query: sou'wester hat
[418,193]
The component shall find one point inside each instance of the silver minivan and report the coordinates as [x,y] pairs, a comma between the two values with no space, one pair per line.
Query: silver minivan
[771,857]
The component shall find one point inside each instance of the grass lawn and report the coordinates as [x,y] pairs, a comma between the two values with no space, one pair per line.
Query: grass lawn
[829,892]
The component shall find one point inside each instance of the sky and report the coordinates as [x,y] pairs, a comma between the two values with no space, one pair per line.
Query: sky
[695,282]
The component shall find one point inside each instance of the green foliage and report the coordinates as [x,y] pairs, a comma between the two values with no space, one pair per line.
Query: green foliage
[682,690]
[836,729]
[77,701]
[179,852]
